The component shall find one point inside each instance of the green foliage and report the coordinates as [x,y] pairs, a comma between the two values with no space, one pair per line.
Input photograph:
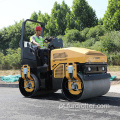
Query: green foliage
[4,40]
[96,31]
[44,18]
[108,45]
[100,21]
[57,23]
[60,36]
[67,44]
[1,56]
[97,46]
[84,33]
[10,36]
[115,37]
[34,16]
[77,44]
[78,28]
[114,59]
[72,36]
[83,14]
[11,60]
[70,21]
[89,42]
[112,15]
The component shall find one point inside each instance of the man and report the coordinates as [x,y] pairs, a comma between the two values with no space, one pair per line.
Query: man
[37,44]
[37,40]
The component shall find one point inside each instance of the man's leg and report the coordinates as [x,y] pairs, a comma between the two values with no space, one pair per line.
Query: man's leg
[41,54]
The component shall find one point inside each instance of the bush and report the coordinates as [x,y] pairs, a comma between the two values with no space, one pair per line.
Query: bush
[67,44]
[77,44]
[108,45]
[100,21]
[96,31]
[11,60]
[60,36]
[97,46]
[84,33]
[114,59]
[114,37]
[72,36]
[89,42]
[111,42]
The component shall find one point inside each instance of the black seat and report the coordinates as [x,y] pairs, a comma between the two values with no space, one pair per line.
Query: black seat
[43,56]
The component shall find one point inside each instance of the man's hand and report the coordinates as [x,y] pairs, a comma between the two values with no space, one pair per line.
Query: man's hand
[46,41]
[38,46]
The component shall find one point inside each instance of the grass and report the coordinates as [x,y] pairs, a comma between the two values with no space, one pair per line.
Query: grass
[9,72]
[113,68]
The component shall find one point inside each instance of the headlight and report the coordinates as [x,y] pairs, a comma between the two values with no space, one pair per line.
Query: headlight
[103,68]
[89,69]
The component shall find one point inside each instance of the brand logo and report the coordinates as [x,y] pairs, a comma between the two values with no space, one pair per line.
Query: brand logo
[96,58]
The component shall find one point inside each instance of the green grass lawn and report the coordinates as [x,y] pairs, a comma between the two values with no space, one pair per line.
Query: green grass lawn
[113,68]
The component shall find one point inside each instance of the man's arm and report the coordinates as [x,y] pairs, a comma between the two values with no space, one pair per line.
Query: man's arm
[38,46]
[34,42]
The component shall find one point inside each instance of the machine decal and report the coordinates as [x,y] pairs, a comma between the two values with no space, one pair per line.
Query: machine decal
[28,80]
[74,82]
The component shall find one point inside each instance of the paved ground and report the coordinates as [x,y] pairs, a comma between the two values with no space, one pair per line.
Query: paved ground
[115,88]
[13,106]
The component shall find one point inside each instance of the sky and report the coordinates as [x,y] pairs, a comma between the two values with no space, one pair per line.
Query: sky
[12,11]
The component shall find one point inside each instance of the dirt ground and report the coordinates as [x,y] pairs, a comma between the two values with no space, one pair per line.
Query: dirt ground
[17,72]
[9,72]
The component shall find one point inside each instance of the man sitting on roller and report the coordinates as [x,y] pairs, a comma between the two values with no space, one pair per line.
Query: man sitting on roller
[36,39]
[37,43]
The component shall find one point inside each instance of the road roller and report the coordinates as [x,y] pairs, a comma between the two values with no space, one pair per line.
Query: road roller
[80,73]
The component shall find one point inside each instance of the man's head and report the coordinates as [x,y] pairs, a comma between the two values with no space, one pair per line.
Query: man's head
[38,30]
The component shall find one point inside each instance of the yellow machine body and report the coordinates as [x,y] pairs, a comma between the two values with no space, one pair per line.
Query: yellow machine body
[62,58]
[74,54]
[27,78]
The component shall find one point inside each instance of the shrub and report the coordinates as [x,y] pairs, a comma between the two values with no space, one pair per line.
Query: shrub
[72,36]
[89,42]
[97,46]
[96,31]
[114,59]
[11,60]
[84,33]
[77,44]
[60,36]
[114,37]
[67,44]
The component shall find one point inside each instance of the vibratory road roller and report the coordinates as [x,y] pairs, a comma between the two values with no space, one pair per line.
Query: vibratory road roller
[81,73]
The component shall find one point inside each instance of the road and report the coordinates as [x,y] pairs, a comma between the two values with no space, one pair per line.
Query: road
[13,106]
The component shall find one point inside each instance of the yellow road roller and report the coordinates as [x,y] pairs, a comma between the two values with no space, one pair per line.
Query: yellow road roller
[79,72]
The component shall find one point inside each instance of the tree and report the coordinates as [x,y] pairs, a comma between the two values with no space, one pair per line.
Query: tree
[83,14]
[44,18]
[70,21]
[64,11]
[16,33]
[100,21]
[57,23]
[4,40]
[34,16]
[112,15]
[10,36]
